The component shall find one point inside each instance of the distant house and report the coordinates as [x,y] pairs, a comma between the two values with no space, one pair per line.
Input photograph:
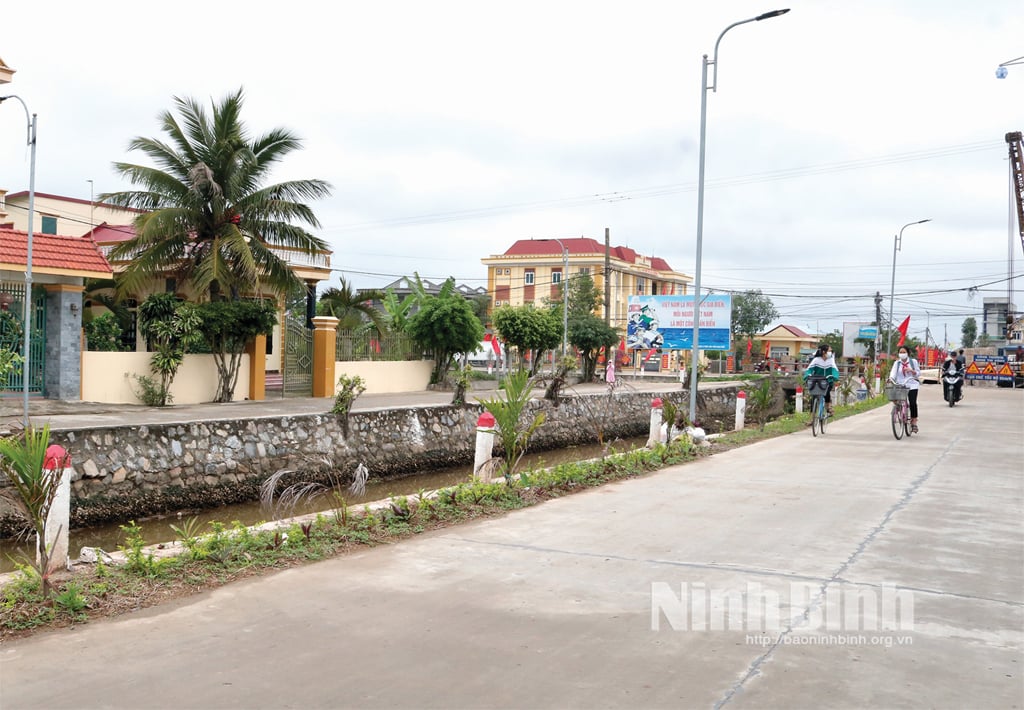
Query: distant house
[787,342]
[532,269]
[406,287]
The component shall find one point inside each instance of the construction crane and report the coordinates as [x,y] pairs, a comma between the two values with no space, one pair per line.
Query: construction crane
[1017,172]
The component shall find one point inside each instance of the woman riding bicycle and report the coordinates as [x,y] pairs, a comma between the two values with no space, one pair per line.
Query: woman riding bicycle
[906,372]
[823,364]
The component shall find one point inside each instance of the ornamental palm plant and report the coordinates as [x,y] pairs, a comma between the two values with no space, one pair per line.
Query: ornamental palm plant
[209,217]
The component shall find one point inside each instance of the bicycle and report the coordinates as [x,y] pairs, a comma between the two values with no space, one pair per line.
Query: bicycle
[817,388]
[900,416]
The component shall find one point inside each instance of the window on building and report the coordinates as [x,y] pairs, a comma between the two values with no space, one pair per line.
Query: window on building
[508,272]
[528,277]
[49,225]
[641,286]
[556,276]
[584,270]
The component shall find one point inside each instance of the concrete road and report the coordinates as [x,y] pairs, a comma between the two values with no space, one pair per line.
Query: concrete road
[849,571]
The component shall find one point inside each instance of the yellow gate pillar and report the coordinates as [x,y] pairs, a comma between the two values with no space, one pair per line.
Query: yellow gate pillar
[325,335]
[257,351]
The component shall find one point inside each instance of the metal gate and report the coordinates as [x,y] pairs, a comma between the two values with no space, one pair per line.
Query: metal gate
[297,359]
[12,327]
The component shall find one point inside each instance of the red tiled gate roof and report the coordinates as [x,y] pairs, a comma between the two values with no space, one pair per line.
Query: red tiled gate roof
[51,253]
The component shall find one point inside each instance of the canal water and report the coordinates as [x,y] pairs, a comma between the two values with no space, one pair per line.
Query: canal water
[157,529]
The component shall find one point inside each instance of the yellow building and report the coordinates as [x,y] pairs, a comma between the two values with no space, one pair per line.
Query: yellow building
[788,344]
[532,270]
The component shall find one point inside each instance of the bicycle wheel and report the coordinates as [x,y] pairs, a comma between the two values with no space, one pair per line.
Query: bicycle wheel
[823,415]
[897,421]
[907,428]
[815,415]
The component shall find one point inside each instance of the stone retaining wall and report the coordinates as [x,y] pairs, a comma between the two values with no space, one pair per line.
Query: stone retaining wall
[125,472]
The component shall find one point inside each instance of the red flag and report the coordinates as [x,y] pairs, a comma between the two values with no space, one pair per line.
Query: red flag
[767,348]
[649,353]
[903,330]
[750,345]
[496,346]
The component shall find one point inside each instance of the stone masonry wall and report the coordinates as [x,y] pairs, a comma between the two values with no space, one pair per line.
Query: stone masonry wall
[131,471]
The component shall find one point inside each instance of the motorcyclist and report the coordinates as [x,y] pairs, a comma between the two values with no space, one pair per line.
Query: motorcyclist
[953,368]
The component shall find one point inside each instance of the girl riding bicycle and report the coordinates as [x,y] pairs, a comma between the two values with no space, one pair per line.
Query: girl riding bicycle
[907,372]
[823,364]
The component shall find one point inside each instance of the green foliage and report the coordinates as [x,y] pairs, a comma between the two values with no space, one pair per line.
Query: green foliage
[969,332]
[761,398]
[171,329]
[350,308]
[140,562]
[227,327]
[349,389]
[751,312]
[445,325]
[151,393]
[510,416]
[71,599]
[461,380]
[208,215]
[565,365]
[835,341]
[530,330]
[103,333]
[590,334]
[32,488]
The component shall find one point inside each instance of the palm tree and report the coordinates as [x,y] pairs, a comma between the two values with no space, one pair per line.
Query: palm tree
[350,308]
[208,216]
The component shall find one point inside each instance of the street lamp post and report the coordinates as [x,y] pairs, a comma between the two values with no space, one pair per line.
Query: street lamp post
[565,296]
[25,369]
[897,243]
[700,193]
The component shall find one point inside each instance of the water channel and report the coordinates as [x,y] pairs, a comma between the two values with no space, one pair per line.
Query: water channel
[157,529]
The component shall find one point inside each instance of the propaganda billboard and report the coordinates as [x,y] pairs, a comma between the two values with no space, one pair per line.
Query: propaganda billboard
[666,322]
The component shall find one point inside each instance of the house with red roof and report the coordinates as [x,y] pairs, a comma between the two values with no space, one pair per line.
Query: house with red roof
[60,266]
[788,343]
[533,269]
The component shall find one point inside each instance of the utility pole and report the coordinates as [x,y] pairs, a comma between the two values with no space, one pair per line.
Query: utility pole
[878,341]
[607,276]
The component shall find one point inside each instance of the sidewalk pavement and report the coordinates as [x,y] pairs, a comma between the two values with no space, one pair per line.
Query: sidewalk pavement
[80,415]
[656,592]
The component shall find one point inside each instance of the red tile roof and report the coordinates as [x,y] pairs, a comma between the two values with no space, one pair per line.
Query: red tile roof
[111,234]
[579,245]
[53,253]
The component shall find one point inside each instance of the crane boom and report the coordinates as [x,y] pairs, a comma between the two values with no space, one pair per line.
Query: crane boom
[1017,171]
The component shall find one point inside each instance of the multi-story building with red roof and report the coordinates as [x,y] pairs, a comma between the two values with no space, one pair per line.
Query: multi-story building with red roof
[532,269]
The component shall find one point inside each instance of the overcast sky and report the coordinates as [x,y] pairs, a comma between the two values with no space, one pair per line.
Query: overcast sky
[450,129]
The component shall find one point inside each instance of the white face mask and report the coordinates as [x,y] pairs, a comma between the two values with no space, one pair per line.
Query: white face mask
[903,356]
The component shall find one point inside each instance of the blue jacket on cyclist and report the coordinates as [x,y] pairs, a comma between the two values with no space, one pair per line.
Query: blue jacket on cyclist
[823,364]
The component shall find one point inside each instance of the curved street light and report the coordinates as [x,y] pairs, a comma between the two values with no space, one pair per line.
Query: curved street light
[897,243]
[700,193]
[1002,71]
[28,255]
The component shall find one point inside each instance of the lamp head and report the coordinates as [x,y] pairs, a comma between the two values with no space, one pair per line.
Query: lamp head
[769,15]
[1001,73]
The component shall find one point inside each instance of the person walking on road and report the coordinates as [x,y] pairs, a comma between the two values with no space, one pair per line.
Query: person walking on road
[907,372]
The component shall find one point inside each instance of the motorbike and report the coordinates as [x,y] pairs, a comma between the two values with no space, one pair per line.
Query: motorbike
[952,386]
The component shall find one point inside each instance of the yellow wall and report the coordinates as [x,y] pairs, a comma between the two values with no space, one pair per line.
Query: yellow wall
[385,377]
[110,378]
[73,218]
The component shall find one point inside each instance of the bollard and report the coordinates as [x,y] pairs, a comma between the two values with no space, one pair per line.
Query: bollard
[655,434]
[799,399]
[57,461]
[741,409]
[482,465]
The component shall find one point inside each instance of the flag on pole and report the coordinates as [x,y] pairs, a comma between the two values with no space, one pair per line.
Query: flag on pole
[903,330]
[750,345]
[767,349]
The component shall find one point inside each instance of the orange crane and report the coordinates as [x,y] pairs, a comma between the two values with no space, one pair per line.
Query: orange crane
[1017,169]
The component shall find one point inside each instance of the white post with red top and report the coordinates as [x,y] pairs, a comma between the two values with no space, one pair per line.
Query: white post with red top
[655,433]
[799,399]
[741,410]
[482,465]
[57,462]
